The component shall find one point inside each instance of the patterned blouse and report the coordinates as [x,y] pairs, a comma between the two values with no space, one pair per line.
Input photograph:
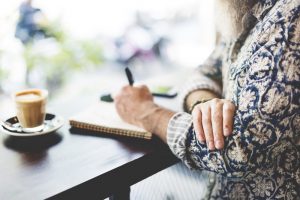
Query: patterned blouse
[260,73]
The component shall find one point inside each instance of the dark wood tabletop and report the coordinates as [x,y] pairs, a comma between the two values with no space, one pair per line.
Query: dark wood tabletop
[76,164]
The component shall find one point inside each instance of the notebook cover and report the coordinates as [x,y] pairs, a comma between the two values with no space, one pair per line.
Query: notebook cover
[102,117]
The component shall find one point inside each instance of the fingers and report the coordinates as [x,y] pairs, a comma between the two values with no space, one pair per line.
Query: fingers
[228,114]
[212,121]
[217,122]
[207,127]
[197,121]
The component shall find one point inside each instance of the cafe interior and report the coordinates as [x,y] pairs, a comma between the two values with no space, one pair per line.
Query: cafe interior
[60,60]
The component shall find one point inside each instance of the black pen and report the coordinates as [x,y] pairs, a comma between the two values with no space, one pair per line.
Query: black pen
[131,81]
[129,76]
[108,97]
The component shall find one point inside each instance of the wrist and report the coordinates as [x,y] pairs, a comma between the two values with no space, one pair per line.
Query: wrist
[147,109]
[155,118]
[198,102]
[196,96]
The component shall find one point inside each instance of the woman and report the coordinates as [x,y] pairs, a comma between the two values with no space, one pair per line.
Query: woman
[249,91]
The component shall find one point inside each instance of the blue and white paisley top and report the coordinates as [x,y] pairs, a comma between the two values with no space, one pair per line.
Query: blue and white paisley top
[260,73]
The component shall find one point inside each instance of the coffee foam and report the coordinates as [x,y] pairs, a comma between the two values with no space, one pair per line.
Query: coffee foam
[29,96]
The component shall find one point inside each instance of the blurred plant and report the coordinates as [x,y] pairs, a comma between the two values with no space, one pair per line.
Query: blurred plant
[54,57]
[3,72]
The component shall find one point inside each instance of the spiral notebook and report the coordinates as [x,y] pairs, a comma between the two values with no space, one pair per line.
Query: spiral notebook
[103,118]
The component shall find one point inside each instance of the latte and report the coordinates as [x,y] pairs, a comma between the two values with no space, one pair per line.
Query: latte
[31,108]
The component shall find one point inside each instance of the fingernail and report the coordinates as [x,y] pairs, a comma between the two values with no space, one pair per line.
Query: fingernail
[219,144]
[211,146]
[202,141]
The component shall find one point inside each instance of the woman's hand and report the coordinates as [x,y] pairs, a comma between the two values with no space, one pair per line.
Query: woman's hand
[133,103]
[212,121]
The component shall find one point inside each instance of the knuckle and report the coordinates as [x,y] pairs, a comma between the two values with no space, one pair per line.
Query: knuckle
[198,106]
[215,100]
[232,106]
[196,110]
[219,104]
[203,106]
[229,107]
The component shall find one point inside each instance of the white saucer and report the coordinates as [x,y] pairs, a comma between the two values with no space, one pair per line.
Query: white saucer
[52,123]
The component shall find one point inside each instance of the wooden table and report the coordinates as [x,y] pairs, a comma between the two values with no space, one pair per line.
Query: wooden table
[72,164]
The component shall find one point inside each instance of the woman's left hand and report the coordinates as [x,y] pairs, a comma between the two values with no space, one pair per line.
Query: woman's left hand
[212,121]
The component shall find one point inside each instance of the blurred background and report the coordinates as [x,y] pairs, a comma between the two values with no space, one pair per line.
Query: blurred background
[78,51]
[66,45]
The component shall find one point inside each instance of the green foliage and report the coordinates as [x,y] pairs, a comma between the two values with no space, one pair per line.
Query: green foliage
[3,73]
[60,54]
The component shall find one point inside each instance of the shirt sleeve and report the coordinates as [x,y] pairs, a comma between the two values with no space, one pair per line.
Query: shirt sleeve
[206,76]
[267,97]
